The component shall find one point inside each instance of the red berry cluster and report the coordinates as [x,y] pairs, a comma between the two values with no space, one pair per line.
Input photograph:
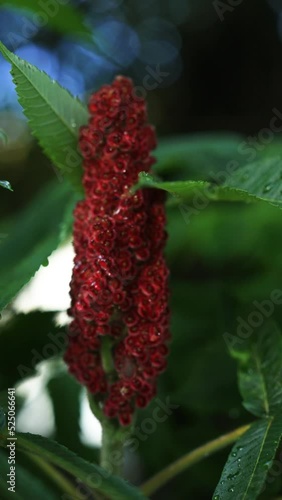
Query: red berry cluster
[119,284]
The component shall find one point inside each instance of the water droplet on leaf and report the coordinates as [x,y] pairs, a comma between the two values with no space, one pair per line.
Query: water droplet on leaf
[231,476]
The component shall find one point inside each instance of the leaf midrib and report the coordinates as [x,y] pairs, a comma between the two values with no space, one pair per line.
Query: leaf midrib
[270,420]
[179,187]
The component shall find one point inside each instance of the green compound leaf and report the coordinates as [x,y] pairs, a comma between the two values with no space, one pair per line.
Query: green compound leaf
[34,235]
[28,485]
[93,476]
[260,372]
[54,115]
[251,458]
[260,376]
[259,181]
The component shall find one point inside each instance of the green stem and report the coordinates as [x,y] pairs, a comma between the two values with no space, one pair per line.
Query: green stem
[111,457]
[112,453]
[190,459]
[113,436]
[107,355]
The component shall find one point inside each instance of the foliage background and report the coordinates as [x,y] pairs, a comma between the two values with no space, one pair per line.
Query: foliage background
[224,76]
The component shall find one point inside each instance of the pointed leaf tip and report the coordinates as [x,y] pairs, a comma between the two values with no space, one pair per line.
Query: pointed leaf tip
[55,116]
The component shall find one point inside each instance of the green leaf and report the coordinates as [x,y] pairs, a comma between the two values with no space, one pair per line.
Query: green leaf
[259,181]
[251,458]
[179,189]
[32,238]
[6,185]
[260,375]
[260,372]
[5,494]
[91,475]
[36,338]
[27,484]
[262,179]
[62,17]
[54,115]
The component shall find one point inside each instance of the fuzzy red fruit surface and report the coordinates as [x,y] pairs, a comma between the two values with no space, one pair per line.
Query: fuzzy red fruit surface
[119,286]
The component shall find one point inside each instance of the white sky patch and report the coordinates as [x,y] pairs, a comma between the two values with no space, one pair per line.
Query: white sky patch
[49,291]
[91,430]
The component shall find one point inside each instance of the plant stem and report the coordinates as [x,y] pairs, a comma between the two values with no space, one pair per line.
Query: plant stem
[107,355]
[112,436]
[190,459]
[112,449]
[111,457]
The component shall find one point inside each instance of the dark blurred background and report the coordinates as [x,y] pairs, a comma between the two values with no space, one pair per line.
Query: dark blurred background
[215,68]
[222,67]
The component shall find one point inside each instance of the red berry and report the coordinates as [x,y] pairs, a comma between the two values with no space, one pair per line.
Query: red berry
[119,286]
